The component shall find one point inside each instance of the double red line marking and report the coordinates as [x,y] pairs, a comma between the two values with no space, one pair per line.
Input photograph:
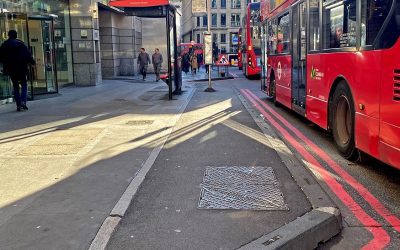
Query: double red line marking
[380,236]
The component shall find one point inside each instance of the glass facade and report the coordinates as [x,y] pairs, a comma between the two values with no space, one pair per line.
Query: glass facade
[44,25]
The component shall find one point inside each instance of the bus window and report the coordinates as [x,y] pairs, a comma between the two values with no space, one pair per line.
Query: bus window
[272,37]
[339,24]
[373,14]
[283,34]
[314,25]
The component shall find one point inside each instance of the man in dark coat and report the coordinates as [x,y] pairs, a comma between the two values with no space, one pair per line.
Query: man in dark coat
[157,60]
[16,57]
[143,61]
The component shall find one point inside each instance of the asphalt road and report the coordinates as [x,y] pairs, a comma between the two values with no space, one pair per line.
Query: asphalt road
[367,193]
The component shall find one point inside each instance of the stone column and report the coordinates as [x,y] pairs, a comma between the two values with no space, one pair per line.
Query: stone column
[85,42]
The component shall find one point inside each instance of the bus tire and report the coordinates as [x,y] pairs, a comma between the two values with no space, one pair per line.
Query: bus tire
[240,68]
[273,90]
[343,120]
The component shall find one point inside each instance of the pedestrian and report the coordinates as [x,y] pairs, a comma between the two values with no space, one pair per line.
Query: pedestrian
[15,57]
[185,62]
[143,61]
[200,60]
[194,63]
[157,60]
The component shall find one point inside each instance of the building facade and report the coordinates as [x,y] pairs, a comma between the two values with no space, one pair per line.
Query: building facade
[73,42]
[226,19]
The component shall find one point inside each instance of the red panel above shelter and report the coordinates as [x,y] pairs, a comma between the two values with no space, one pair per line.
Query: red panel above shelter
[138,3]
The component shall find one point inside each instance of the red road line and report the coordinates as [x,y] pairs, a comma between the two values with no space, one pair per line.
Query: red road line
[364,192]
[380,236]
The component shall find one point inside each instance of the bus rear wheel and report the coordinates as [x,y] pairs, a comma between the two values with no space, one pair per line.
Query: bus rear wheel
[273,90]
[343,117]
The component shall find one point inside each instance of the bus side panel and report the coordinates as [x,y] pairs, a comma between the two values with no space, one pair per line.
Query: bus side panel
[366,101]
[389,147]
[317,87]
[283,76]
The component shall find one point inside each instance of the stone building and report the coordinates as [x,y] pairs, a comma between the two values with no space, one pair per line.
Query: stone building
[76,42]
[226,18]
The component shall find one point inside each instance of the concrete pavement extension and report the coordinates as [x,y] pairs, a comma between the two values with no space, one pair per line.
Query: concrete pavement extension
[66,162]
[215,130]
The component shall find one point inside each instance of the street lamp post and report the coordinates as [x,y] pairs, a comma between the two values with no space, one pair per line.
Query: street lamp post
[209,89]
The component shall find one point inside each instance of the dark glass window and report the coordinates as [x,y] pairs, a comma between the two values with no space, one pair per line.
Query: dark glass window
[223,19]
[235,20]
[223,38]
[314,25]
[223,4]
[235,4]
[198,21]
[373,15]
[214,19]
[198,38]
[205,21]
[339,24]
[213,4]
[215,38]
[283,37]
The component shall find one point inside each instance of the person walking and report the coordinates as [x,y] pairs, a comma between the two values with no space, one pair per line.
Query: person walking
[185,63]
[143,61]
[157,60]
[16,57]
[194,63]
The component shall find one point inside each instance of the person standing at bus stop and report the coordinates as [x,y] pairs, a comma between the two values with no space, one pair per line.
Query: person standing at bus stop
[157,60]
[16,57]
[143,61]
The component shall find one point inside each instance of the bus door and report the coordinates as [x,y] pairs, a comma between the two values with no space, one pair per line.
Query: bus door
[299,57]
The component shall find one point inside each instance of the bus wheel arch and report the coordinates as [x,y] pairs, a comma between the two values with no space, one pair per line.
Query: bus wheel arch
[341,110]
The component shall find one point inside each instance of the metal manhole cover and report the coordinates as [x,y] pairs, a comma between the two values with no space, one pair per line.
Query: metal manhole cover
[140,122]
[250,188]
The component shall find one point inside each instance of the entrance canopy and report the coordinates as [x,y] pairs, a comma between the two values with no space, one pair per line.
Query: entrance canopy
[157,9]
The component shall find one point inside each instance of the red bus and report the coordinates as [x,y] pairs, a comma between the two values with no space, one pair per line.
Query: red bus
[338,65]
[240,63]
[251,41]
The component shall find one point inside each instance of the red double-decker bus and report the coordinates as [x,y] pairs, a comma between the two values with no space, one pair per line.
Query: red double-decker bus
[251,41]
[240,62]
[337,63]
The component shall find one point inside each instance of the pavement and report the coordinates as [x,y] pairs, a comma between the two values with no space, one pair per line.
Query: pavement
[118,166]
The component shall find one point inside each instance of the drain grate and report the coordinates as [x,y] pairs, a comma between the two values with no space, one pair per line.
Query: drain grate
[140,122]
[249,188]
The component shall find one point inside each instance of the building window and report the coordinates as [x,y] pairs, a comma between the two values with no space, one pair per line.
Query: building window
[223,4]
[223,38]
[339,24]
[223,20]
[198,21]
[235,20]
[235,4]
[215,38]
[205,21]
[214,19]
[198,38]
[214,4]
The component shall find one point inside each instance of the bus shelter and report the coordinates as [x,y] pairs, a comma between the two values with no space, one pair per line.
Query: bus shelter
[159,9]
